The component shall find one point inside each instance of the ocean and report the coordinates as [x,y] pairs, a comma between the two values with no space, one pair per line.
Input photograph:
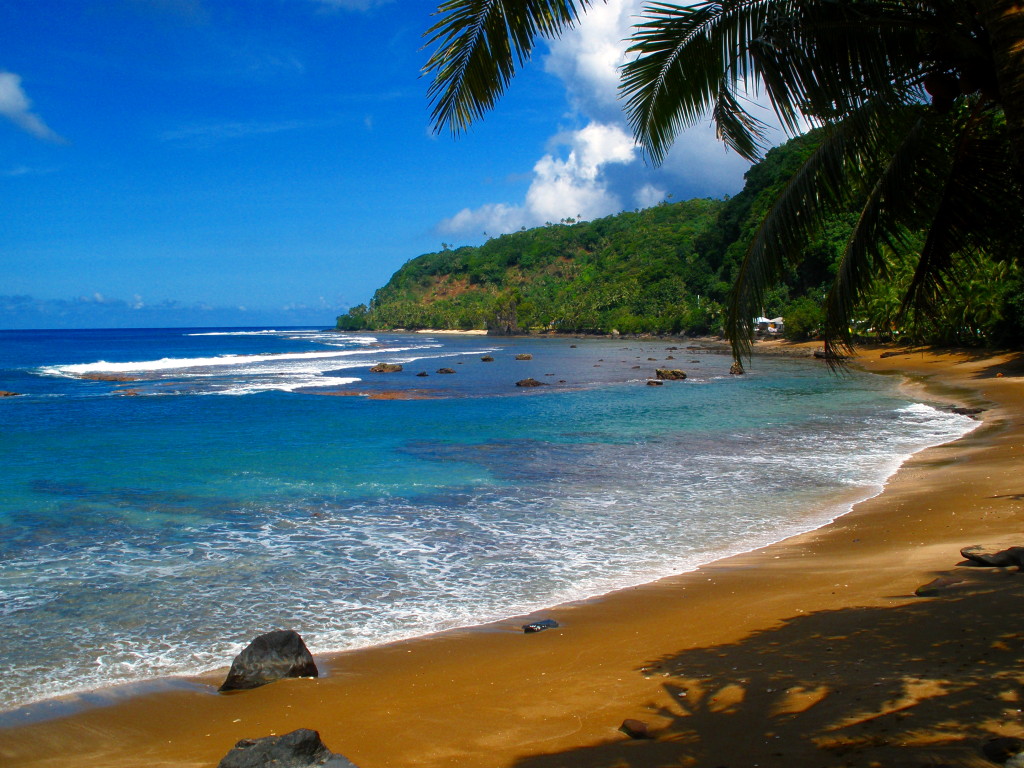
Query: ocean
[168,494]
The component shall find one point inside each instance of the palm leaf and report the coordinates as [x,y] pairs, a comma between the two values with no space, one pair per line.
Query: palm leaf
[479,44]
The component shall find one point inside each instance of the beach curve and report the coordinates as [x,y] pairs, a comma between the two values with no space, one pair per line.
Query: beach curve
[745,660]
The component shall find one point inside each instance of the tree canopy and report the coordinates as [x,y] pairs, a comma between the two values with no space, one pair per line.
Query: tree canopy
[920,103]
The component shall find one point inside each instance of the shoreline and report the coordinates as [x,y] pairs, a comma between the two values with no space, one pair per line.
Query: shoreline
[492,696]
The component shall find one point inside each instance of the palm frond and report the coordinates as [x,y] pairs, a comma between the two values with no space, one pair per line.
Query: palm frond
[882,221]
[970,215]
[690,60]
[822,184]
[479,44]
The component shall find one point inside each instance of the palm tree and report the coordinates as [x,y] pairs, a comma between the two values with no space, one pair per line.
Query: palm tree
[921,105]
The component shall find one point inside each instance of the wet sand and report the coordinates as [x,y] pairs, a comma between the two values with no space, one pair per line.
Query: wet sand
[814,651]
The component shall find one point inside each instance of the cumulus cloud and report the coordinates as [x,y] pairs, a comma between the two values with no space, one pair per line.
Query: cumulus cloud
[16,107]
[603,171]
[572,185]
[587,60]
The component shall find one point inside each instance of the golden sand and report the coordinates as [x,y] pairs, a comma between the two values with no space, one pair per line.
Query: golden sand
[811,652]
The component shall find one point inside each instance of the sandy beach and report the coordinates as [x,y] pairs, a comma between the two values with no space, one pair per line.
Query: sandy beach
[814,651]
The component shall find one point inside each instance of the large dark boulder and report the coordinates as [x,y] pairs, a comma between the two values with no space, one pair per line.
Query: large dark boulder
[1003,559]
[299,749]
[273,656]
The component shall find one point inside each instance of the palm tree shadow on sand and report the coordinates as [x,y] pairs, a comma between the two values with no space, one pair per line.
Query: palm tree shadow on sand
[922,684]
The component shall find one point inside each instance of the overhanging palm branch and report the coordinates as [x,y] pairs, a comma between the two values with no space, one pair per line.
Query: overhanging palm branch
[814,60]
[479,45]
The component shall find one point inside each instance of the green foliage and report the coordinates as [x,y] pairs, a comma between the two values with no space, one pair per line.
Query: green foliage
[634,272]
[804,319]
[669,269]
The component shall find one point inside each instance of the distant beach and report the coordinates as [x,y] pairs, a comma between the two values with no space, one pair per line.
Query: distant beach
[744,660]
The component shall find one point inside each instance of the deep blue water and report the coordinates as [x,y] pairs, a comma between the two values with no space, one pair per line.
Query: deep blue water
[153,525]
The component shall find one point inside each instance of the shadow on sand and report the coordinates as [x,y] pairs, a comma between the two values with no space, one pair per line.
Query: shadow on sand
[922,684]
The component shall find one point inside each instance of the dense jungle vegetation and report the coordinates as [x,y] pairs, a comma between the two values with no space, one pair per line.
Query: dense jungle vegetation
[669,269]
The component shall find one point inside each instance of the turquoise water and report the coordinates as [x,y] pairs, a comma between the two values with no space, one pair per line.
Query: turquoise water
[232,491]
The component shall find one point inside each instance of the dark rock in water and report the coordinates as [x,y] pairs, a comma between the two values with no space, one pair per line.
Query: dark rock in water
[299,749]
[655,383]
[386,368]
[670,357]
[487,359]
[5,393]
[524,356]
[635,367]
[530,382]
[273,656]
[736,369]
[1001,749]
[539,626]
[446,370]
[1004,559]
[572,346]
[672,374]
[966,411]
[636,729]
[422,373]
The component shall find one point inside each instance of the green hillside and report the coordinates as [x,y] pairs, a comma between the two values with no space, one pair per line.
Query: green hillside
[668,269]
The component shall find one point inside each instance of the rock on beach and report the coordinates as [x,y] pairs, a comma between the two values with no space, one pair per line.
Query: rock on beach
[271,656]
[299,749]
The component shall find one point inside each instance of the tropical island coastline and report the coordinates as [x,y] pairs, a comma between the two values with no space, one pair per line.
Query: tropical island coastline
[813,649]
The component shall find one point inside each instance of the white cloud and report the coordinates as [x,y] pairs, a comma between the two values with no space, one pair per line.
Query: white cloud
[570,186]
[16,107]
[649,195]
[587,60]
[603,170]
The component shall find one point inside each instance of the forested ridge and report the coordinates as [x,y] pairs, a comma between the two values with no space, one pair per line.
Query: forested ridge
[669,269]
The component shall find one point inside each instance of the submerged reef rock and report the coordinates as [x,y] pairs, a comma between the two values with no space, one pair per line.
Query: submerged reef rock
[108,377]
[530,382]
[272,656]
[539,626]
[299,749]
[654,383]
[446,370]
[673,374]
[1004,559]
[524,356]
[386,368]
[422,373]
[487,359]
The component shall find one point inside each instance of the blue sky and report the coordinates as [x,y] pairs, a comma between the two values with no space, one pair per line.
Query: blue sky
[252,162]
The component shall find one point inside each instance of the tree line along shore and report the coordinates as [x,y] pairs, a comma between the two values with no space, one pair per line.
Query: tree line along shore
[669,269]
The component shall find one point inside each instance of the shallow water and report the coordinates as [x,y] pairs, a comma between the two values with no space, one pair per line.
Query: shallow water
[155,534]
